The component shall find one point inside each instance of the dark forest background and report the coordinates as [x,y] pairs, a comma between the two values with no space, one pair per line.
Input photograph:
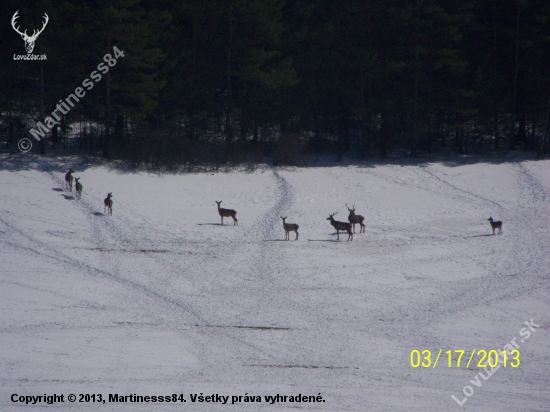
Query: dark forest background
[217,81]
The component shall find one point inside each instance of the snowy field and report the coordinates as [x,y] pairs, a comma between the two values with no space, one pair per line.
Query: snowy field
[160,299]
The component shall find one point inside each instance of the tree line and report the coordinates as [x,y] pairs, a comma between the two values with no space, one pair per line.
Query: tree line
[238,80]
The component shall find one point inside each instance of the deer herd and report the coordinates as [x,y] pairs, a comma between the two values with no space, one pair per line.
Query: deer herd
[347,227]
[108,202]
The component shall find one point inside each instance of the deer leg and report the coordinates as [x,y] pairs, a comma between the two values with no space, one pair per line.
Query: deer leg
[296,235]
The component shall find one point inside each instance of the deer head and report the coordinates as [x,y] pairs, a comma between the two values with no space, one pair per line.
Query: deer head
[29,40]
[352,210]
[332,215]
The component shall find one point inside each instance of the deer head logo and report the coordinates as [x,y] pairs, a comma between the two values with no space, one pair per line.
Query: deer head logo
[29,40]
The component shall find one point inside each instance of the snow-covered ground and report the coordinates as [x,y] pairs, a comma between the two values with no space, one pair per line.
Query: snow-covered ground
[160,299]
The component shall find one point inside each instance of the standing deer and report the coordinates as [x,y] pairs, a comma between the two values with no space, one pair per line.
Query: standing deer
[344,226]
[495,225]
[78,187]
[108,203]
[227,213]
[353,219]
[290,227]
[69,180]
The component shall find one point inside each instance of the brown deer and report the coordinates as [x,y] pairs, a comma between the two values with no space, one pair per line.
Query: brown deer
[78,187]
[353,219]
[495,225]
[108,203]
[343,226]
[227,213]
[290,227]
[69,180]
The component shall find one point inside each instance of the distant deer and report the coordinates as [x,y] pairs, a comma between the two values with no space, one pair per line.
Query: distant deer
[69,180]
[495,225]
[78,187]
[227,213]
[343,226]
[290,227]
[108,204]
[353,219]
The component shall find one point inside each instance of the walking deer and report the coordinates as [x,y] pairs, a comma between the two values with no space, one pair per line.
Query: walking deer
[353,219]
[69,180]
[495,225]
[227,213]
[78,187]
[343,226]
[290,227]
[108,202]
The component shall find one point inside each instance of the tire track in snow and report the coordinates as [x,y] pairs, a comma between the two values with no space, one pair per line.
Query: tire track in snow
[517,272]
[104,228]
[273,278]
[530,185]
[462,193]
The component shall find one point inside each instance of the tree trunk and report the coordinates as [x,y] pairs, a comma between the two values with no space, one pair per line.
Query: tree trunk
[107,143]
[41,143]
[495,76]
[229,112]
[515,96]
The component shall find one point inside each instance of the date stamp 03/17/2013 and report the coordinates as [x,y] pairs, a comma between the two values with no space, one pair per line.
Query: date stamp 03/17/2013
[481,358]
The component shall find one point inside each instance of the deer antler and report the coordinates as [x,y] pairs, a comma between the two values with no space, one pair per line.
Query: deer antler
[13,19]
[36,33]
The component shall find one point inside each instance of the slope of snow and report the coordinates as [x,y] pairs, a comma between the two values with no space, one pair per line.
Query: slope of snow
[160,299]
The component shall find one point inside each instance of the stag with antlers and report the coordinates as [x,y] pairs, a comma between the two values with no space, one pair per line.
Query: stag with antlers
[29,40]
[343,226]
[353,219]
